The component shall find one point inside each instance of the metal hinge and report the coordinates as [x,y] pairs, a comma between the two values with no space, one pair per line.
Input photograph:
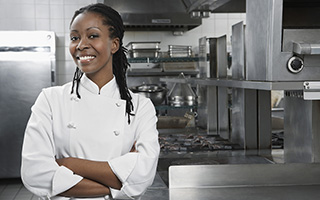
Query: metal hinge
[311,90]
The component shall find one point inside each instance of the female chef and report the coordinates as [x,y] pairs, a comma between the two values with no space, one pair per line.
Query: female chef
[92,138]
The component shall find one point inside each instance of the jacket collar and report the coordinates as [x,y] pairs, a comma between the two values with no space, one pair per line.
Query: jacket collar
[108,90]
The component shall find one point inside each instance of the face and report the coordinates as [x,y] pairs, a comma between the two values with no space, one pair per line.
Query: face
[91,47]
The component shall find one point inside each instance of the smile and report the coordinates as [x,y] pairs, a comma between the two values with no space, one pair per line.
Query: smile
[85,57]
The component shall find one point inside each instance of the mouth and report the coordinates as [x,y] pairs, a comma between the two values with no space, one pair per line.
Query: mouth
[85,58]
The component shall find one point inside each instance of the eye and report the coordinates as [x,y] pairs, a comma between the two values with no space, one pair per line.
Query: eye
[74,38]
[93,36]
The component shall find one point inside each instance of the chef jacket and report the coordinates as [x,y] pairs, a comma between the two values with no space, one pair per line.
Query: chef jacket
[93,127]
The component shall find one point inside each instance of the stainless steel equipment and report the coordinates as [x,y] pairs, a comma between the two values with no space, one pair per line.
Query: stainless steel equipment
[282,40]
[153,15]
[213,101]
[292,181]
[143,49]
[281,45]
[180,51]
[156,93]
[27,64]
[181,94]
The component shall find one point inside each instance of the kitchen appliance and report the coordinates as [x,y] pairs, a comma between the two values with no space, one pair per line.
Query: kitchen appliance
[154,15]
[156,93]
[27,64]
[282,40]
[181,94]
[281,46]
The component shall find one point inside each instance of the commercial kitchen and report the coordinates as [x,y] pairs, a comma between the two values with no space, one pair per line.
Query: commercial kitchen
[235,84]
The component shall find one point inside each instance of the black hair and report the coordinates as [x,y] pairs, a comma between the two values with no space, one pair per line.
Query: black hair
[120,63]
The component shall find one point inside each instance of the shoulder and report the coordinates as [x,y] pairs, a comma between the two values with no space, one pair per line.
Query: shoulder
[140,100]
[141,104]
[56,91]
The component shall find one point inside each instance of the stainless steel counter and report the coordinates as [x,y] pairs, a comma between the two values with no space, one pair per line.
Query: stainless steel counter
[257,85]
[310,192]
[307,190]
[245,181]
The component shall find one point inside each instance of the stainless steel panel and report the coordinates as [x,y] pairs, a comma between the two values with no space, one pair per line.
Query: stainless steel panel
[264,120]
[243,175]
[238,51]
[302,129]
[244,118]
[21,82]
[310,192]
[204,71]
[258,85]
[211,108]
[222,92]
[24,71]
[153,15]
[265,59]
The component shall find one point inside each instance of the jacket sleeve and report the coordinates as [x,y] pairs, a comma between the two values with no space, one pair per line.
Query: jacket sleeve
[136,170]
[39,171]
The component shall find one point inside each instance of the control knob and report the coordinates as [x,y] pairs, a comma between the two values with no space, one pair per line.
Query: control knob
[295,64]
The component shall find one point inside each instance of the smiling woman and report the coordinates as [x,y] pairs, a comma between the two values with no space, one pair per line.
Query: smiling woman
[92,48]
[92,138]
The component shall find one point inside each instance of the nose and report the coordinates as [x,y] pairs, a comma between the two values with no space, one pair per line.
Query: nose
[83,44]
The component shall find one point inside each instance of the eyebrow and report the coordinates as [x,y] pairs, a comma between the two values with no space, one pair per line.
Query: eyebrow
[93,27]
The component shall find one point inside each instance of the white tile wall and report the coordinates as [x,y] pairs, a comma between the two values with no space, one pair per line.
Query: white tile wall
[55,15]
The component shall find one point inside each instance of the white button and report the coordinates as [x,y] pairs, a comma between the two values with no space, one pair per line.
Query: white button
[116,133]
[71,125]
[74,98]
[118,104]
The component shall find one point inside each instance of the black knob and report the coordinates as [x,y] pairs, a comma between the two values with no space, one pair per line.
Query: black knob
[295,64]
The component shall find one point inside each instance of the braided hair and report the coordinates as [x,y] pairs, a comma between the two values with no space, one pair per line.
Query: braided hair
[120,63]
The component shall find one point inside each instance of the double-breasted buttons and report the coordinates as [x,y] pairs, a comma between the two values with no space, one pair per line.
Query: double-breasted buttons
[116,132]
[118,104]
[71,125]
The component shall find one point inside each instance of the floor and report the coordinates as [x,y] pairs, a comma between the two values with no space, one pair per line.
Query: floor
[13,189]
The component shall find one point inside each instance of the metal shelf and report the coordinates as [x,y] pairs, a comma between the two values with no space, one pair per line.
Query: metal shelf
[163,59]
[159,72]
[258,85]
[168,107]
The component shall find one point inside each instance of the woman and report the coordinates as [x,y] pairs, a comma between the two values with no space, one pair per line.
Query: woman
[92,138]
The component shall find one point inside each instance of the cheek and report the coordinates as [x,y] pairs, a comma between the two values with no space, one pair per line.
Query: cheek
[72,48]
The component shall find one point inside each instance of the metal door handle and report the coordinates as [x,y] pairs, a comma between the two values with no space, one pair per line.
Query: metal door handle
[306,49]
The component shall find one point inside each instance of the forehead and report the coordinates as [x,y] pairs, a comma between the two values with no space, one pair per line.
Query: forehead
[87,20]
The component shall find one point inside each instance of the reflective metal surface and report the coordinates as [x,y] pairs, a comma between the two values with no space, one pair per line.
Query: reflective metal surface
[271,28]
[302,129]
[154,15]
[243,175]
[258,85]
[22,76]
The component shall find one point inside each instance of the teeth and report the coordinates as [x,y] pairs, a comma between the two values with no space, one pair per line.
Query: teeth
[86,57]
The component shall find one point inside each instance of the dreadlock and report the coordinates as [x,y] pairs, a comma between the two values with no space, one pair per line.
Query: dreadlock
[120,63]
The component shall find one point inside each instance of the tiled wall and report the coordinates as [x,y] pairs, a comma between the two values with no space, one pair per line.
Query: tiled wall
[55,15]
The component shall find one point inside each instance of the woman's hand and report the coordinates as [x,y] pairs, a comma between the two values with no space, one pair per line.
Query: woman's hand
[133,148]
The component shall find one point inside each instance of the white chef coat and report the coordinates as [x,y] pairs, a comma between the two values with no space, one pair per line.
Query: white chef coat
[94,127]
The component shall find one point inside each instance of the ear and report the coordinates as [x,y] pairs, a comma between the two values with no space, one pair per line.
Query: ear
[115,45]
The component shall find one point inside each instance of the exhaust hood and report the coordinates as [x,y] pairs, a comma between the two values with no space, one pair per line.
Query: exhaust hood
[154,15]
